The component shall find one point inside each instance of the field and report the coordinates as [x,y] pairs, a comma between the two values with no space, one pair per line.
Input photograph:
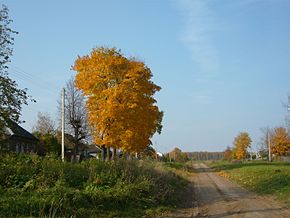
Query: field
[33,186]
[258,176]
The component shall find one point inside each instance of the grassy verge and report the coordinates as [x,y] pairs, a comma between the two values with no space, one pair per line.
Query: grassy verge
[184,170]
[31,186]
[259,176]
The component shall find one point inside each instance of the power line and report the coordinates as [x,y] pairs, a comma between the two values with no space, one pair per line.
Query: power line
[20,77]
[35,80]
[33,77]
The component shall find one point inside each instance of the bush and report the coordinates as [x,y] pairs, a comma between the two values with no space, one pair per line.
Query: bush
[44,186]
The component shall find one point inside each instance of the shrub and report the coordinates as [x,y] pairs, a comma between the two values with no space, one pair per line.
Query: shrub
[44,186]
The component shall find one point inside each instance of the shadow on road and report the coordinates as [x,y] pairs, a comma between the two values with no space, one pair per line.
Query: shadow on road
[248,212]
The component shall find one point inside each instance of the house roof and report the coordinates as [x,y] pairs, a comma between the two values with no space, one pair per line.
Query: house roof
[15,130]
[93,148]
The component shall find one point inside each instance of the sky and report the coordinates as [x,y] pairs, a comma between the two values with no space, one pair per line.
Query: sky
[223,65]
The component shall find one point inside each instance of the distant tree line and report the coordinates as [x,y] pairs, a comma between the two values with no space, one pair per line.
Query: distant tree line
[205,155]
[176,155]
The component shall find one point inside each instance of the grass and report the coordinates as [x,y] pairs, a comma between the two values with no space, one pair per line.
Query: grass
[183,169]
[259,176]
[32,186]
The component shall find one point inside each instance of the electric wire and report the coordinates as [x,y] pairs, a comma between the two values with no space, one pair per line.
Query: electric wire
[32,79]
[38,84]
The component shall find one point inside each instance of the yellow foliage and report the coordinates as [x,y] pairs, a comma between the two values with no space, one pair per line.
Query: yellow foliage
[224,174]
[241,144]
[280,141]
[122,110]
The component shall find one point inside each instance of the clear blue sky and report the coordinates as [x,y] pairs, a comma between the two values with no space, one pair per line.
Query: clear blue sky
[223,65]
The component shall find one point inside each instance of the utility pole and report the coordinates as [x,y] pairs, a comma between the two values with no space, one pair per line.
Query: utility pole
[269,146]
[62,124]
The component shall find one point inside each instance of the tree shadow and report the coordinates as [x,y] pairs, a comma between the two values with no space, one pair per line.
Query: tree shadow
[248,212]
[230,166]
[276,181]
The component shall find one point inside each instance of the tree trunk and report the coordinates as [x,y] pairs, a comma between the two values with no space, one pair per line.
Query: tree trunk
[108,154]
[76,141]
[114,154]
[103,153]
[76,145]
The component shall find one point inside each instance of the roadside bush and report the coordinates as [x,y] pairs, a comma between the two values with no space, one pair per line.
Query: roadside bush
[44,186]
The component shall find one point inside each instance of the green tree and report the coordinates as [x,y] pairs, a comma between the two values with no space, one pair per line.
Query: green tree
[48,143]
[11,97]
[148,153]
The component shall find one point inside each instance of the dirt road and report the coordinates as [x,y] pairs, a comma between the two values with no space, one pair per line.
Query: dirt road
[217,198]
[210,195]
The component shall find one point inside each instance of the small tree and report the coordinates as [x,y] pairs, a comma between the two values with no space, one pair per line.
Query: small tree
[44,124]
[76,122]
[177,155]
[228,154]
[48,143]
[280,143]
[241,143]
[45,131]
[267,137]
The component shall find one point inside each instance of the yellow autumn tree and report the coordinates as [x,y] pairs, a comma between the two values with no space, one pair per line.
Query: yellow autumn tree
[121,106]
[241,143]
[280,141]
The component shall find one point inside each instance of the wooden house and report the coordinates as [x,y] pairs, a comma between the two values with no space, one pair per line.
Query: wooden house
[17,139]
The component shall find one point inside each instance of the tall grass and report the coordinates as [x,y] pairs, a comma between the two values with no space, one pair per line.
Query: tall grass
[46,187]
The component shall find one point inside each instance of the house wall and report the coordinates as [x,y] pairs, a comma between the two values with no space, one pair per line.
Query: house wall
[19,145]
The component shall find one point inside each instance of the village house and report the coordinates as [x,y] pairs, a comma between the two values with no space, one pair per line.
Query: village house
[17,139]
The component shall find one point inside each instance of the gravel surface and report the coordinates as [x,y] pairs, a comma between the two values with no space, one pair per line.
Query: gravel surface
[218,197]
[210,195]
